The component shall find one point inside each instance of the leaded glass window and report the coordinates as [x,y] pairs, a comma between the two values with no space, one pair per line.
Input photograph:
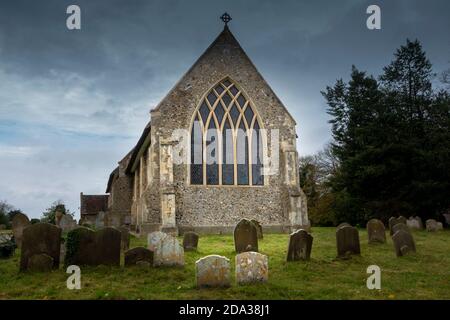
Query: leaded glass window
[226,139]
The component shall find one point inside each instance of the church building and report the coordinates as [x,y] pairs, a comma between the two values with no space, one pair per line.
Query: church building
[220,147]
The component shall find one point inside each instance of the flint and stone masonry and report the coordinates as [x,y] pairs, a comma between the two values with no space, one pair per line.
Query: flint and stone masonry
[150,191]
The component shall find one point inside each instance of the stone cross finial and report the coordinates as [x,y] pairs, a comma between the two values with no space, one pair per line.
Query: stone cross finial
[226,18]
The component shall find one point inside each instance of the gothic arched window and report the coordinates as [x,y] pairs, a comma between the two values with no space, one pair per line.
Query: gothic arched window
[226,141]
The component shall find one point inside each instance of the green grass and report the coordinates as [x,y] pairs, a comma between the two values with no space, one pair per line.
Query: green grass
[425,275]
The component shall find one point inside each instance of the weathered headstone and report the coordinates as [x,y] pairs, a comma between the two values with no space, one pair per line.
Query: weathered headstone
[414,223]
[403,243]
[67,223]
[212,271]
[58,215]
[87,247]
[100,220]
[40,263]
[300,244]
[375,231]
[259,230]
[245,236]
[440,226]
[125,238]
[190,241]
[154,238]
[40,238]
[251,267]
[400,226]
[347,241]
[393,221]
[133,256]
[431,225]
[343,224]
[447,218]
[168,252]
[19,223]
[7,246]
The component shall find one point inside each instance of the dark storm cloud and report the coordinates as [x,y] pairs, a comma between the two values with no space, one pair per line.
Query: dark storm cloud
[72,103]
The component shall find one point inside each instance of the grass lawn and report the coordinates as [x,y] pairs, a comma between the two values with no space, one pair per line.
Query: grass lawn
[425,275]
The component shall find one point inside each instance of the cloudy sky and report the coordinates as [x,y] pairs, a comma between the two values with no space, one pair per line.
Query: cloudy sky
[73,103]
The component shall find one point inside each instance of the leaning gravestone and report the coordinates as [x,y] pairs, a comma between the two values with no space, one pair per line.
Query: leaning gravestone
[431,225]
[190,241]
[347,240]
[154,238]
[135,255]
[400,226]
[40,263]
[376,231]
[7,246]
[300,244]
[125,238]
[212,271]
[87,247]
[67,223]
[168,252]
[251,267]
[414,223]
[245,236]
[403,243]
[259,230]
[19,223]
[40,238]
[393,221]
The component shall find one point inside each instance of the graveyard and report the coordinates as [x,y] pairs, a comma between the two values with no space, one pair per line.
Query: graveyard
[420,275]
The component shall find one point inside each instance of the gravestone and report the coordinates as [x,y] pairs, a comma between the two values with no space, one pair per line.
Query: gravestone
[259,230]
[67,223]
[190,241]
[393,221]
[414,223]
[100,220]
[347,241]
[300,244]
[447,219]
[168,252]
[40,238]
[375,231]
[125,238]
[212,271]
[251,267]
[7,246]
[19,223]
[135,255]
[403,243]
[400,226]
[87,247]
[343,224]
[154,238]
[440,226]
[58,215]
[40,263]
[245,236]
[431,225]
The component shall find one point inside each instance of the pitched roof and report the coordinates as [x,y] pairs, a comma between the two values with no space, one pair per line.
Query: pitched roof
[137,150]
[93,204]
[225,38]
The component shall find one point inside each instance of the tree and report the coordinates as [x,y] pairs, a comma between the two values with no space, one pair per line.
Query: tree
[48,215]
[391,139]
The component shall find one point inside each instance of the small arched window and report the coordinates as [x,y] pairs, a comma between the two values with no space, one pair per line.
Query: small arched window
[226,139]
